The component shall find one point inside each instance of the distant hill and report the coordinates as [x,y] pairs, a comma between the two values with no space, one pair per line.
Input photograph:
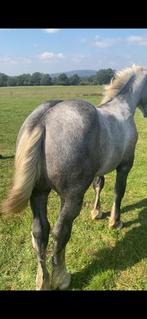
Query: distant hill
[80,73]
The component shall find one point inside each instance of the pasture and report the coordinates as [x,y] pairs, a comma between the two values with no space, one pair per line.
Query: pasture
[97,257]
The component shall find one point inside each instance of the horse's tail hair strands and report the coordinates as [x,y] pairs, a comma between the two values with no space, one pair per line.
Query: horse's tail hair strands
[27,171]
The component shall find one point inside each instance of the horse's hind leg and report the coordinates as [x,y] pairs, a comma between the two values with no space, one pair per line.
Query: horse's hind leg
[70,209]
[98,185]
[120,186]
[40,235]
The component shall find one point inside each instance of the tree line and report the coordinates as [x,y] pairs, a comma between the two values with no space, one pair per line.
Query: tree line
[102,76]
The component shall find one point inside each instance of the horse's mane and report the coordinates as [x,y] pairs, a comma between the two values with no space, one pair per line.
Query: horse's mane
[119,81]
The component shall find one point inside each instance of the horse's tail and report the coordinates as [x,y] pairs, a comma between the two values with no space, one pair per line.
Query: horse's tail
[27,170]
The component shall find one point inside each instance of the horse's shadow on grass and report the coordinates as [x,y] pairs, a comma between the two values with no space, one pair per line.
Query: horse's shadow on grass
[126,253]
[5,157]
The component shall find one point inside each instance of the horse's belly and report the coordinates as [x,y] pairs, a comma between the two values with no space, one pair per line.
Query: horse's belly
[110,161]
[106,168]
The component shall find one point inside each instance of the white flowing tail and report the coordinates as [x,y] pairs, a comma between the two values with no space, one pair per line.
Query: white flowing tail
[27,171]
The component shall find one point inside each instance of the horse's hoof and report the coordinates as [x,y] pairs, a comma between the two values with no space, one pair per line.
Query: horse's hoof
[60,280]
[65,284]
[95,214]
[117,225]
[42,279]
[43,284]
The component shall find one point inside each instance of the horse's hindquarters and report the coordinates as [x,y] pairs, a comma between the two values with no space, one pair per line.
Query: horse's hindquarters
[71,148]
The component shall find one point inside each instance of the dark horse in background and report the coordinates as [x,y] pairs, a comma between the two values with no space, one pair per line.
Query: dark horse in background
[64,145]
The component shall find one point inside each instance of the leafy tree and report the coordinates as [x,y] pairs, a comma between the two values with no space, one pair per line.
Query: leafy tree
[3,79]
[24,79]
[27,79]
[12,81]
[20,80]
[54,81]
[36,78]
[84,81]
[45,79]
[104,76]
[74,80]
[62,79]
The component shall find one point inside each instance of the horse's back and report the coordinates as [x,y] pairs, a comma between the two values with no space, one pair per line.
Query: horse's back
[36,117]
[74,116]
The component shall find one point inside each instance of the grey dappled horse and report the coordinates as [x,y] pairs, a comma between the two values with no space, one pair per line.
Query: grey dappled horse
[62,146]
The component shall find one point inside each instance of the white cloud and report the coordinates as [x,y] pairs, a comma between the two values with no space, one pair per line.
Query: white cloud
[51,30]
[101,42]
[139,40]
[10,60]
[105,42]
[50,56]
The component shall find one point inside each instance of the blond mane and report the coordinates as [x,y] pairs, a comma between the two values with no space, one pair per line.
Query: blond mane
[120,80]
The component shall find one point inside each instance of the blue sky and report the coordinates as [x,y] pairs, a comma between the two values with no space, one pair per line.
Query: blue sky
[59,50]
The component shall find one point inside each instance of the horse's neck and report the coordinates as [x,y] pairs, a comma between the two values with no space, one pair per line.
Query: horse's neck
[126,102]
[118,107]
[134,93]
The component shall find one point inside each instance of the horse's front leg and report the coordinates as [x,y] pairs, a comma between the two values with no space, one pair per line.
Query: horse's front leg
[98,185]
[120,186]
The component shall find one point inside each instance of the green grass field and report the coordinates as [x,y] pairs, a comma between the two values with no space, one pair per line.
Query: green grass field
[98,258]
